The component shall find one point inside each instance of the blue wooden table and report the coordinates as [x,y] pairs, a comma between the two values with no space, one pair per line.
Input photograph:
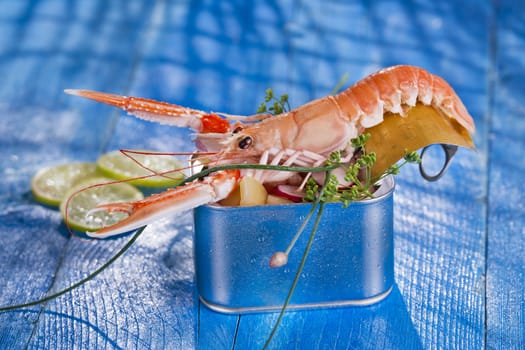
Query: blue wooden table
[459,243]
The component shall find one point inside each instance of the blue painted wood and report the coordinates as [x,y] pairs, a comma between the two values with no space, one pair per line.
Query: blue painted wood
[506,232]
[46,47]
[458,242]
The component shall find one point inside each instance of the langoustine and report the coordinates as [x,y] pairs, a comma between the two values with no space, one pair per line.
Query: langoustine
[402,107]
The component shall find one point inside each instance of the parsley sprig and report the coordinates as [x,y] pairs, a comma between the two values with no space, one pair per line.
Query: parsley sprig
[358,173]
[274,105]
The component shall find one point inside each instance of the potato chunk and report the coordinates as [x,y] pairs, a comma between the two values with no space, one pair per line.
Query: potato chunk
[252,192]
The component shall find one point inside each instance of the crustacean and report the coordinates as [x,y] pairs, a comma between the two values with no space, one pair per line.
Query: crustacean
[402,107]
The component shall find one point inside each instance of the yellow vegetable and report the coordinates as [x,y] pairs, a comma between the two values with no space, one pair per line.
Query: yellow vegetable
[252,192]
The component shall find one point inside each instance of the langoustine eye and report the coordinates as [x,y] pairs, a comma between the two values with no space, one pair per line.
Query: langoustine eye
[245,142]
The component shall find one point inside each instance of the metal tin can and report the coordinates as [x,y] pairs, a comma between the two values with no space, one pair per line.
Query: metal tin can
[351,261]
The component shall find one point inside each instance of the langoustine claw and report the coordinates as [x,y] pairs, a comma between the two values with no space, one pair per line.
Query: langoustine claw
[140,213]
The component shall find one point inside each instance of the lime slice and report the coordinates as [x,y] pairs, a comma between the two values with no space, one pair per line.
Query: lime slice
[49,185]
[82,198]
[116,165]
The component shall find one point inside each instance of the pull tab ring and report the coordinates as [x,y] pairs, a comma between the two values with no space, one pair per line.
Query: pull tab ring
[450,151]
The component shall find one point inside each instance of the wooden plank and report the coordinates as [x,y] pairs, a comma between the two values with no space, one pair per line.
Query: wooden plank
[506,232]
[46,47]
[146,299]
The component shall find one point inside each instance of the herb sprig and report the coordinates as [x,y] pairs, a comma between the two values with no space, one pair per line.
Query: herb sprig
[274,105]
[358,174]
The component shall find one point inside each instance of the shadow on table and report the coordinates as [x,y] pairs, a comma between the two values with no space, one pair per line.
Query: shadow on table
[53,339]
[385,325]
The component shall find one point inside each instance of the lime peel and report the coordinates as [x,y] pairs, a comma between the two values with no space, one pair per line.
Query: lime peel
[50,184]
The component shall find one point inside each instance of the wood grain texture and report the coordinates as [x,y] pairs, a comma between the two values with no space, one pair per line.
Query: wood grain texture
[43,48]
[458,242]
[506,232]
[132,304]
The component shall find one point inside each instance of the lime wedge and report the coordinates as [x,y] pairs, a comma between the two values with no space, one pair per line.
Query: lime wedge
[49,185]
[83,198]
[116,165]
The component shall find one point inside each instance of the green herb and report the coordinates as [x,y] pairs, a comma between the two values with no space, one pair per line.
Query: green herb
[358,173]
[311,190]
[320,204]
[274,105]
